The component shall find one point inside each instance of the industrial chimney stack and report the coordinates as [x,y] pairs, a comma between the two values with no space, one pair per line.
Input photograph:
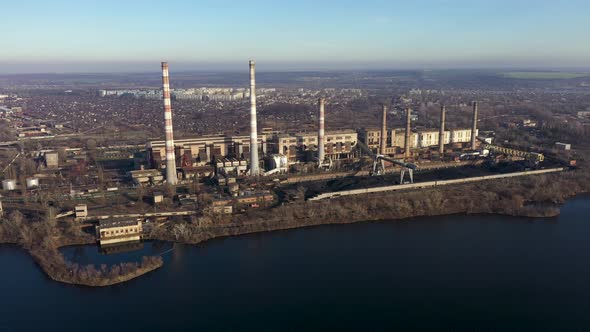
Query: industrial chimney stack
[170,156]
[383,144]
[441,133]
[408,132]
[254,171]
[321,131]
[474,126]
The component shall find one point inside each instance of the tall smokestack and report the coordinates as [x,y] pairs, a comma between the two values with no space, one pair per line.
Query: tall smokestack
[321,131]
[253,129]
[383,129]
[170,156]
[441,133]
[408,132]
[474,126]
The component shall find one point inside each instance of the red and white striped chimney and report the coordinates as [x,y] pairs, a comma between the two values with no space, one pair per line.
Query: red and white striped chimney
[254,170]
[170,156]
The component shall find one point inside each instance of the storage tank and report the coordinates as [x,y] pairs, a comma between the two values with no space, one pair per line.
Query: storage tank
[32,183]
[9,184]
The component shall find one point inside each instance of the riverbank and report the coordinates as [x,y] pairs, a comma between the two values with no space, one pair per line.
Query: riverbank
[538,196]
[43,239]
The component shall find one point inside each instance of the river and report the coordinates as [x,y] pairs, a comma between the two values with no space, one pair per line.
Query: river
[452,272]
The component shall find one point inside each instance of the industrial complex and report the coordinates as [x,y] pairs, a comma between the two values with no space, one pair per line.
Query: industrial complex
[228,173]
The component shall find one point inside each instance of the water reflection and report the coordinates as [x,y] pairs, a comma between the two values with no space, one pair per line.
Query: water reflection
[115,254]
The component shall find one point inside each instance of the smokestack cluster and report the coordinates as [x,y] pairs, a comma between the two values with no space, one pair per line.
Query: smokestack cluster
[383,129]
[441,133]
[254,170]
[321,131]
[474,126]
[170,156]
[408,132]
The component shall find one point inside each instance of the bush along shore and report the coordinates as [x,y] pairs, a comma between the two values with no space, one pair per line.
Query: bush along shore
[535,196]
[43,238]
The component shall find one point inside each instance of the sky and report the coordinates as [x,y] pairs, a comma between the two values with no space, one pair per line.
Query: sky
[133,35]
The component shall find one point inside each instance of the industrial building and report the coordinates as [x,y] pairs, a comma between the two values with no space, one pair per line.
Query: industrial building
[202,150]
[338,144]
[420,138]
[117,231]
[81,211]
[563,146]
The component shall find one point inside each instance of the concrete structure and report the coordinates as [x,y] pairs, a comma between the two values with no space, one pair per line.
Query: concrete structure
[254,169]
[278,162]
[371,136]
[204,149]
[407,153]
[171,177]
[8,184]
[474,127]
[117,231]
[441,133]
[383,144]
[32,183]
[146,176]
[339,144]
[423,138]
[158,197]
[223,209]
[563,146]
[51,159]
[321,120]
[230,166]
[81,211]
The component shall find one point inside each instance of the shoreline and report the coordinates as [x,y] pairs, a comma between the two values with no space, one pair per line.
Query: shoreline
[343,210]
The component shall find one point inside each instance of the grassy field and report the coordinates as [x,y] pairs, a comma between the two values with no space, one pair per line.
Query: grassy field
[542,75]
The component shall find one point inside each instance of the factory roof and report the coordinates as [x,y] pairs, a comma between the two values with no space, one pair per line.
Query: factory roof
[110,223]
[314,133]
[203,139]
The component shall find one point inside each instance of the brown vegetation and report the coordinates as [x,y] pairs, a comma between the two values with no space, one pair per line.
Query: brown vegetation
[42,239]
[535,196]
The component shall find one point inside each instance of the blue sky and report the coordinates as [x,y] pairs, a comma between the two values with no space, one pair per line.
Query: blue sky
[61,35]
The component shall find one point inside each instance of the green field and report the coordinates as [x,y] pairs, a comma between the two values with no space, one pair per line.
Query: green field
[542,75]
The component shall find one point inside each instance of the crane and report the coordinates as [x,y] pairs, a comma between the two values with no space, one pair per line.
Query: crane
[379,165]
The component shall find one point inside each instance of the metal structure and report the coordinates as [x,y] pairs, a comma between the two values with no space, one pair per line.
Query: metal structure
[530,156]
[408,132]
[321,123]
[379,164]
[254,167]
[171,177]
[383,144]
[441,133]
[474,126]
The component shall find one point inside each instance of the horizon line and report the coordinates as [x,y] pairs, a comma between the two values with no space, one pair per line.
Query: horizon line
[318,70]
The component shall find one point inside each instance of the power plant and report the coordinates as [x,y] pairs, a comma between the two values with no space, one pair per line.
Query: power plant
[321,123]
[171,177]
[254,169]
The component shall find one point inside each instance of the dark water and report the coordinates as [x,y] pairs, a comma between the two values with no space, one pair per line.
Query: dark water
[455,272]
